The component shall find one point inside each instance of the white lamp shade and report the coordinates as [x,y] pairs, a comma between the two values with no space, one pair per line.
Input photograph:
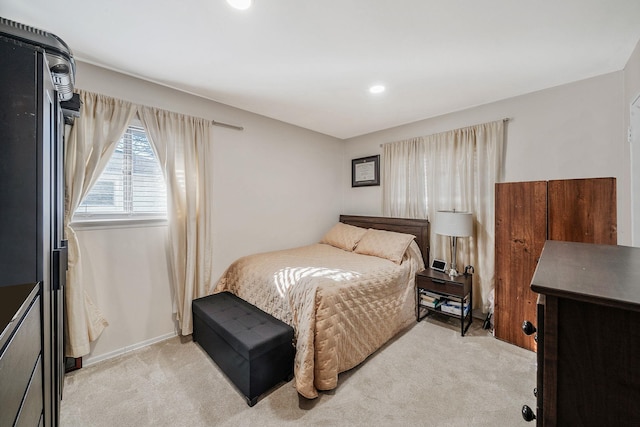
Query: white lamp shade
[452,223]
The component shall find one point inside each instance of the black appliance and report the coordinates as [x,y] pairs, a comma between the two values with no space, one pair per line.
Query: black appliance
[37,71]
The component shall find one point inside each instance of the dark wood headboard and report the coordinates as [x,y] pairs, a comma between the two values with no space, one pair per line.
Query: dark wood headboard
[417,227]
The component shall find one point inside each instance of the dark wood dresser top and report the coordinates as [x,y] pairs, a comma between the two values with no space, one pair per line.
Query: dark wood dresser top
[599,274]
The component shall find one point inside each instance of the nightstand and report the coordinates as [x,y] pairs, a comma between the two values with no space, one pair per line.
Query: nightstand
[451,296]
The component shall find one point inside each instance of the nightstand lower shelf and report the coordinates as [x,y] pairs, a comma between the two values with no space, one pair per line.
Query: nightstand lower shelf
[465,321]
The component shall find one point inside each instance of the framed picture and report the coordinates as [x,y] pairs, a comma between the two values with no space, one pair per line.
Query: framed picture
[365,171]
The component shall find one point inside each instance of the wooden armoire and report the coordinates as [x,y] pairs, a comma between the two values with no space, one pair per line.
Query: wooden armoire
[529,213]
[36,74]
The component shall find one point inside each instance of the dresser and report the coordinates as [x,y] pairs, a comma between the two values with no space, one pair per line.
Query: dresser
[588,335]
[20,356]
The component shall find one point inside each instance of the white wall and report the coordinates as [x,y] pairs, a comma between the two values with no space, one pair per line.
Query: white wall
[571,131]
[632,93]
[127,277]
[275,186]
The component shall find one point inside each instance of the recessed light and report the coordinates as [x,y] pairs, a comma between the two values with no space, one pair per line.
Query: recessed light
[376,89]
[240,4]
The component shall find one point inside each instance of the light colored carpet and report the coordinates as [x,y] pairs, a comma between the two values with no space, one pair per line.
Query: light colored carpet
[428,376]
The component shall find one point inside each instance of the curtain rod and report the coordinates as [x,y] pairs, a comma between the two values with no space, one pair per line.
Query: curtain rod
[226,125]
[505,119]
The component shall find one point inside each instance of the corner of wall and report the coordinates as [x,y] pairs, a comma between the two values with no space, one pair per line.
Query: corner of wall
[631,75]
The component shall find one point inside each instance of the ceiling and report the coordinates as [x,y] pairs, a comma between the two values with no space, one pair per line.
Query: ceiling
[311,62]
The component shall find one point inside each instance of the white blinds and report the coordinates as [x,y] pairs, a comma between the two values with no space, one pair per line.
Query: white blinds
[132,183]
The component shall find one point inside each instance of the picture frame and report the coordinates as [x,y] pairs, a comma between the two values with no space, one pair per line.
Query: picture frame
[365,171]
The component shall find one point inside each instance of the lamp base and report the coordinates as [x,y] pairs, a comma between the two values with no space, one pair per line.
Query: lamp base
[453,272]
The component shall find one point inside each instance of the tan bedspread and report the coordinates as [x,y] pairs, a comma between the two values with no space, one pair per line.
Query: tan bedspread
[343,306]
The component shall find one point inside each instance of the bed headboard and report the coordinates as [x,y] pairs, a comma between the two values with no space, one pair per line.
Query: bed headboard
[417,227]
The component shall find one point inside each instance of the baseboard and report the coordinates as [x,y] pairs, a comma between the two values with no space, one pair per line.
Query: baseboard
[88,361]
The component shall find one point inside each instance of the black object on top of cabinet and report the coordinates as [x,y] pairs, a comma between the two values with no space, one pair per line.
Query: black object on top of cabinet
[59,57]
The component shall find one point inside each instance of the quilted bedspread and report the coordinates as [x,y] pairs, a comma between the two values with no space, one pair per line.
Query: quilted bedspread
[343,306]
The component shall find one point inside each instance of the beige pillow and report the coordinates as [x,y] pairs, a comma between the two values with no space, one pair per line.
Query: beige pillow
[384,244]
[344,236]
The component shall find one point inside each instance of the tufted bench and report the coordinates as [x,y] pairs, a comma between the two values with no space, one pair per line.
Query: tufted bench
[253,349]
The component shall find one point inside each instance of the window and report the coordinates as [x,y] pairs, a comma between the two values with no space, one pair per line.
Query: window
[131,186]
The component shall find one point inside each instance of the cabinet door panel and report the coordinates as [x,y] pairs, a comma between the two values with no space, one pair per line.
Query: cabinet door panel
[583,210]
[521,229]
[19,186]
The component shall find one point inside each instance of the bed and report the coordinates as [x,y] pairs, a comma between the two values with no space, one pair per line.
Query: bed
[345,296]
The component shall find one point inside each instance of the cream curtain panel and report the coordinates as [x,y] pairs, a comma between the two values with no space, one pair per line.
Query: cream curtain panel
[450,170]
[183,146]
[404,179]
[91,142]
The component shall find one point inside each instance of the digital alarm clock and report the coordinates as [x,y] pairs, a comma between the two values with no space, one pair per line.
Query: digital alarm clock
[439,265]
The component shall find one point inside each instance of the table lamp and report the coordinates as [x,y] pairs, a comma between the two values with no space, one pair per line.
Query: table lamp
[453,224]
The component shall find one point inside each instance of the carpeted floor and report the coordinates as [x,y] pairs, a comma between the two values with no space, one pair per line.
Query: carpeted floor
[427,376]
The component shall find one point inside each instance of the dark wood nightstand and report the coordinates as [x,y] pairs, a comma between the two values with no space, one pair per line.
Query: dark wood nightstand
[448,293]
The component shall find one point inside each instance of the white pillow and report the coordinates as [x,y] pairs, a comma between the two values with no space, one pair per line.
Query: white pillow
[344,236]
[384,244]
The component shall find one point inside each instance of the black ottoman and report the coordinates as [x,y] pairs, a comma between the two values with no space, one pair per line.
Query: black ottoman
[254,349]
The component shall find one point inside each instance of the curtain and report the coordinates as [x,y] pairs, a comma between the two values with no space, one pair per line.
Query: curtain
[92,140]
[183,147]
[459,170]
[404,182]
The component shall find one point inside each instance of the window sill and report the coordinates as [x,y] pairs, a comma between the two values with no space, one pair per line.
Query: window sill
[96,224]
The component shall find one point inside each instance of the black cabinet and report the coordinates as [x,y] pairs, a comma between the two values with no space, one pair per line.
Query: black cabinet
[33,250]
[20,356]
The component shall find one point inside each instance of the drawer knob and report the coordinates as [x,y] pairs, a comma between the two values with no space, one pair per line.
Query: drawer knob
[527,413]
[528,328]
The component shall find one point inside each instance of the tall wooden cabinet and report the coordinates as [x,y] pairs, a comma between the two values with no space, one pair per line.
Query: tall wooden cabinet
[528,214]
[35,73]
